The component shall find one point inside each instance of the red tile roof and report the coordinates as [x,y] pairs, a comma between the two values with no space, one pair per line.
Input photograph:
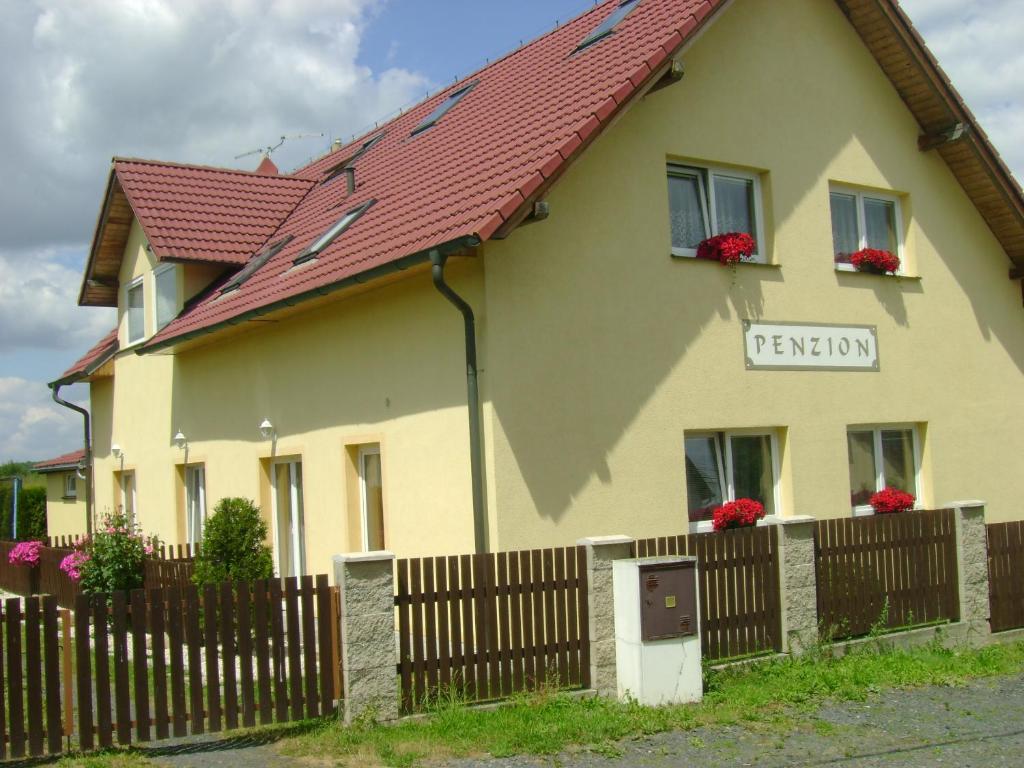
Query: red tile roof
[531,112]
[67,461]
[195,213]
[103,350]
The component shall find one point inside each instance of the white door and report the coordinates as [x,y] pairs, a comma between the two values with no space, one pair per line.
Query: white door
[371,498]
[195,502]
[289,532]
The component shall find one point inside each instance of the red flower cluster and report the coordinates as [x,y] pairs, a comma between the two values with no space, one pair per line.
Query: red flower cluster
[892,500]
[737,514]
[728,248]
[875,260]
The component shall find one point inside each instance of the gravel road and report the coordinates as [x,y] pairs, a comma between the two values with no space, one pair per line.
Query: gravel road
[978,724]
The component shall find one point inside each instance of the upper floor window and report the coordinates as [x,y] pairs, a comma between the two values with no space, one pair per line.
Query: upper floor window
[864,220]
[135,309]
[70,486]
[881,457]
[705,201]
[166,279]
[725,466]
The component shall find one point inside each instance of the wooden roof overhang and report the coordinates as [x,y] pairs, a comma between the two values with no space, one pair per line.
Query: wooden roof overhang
[100,283]
[947,125]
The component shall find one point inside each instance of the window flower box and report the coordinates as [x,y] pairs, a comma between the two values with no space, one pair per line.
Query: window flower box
[892,500]
[741,513]
[729,248]
[875,261]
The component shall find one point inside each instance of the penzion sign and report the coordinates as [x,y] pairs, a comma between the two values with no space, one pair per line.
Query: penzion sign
[782,346]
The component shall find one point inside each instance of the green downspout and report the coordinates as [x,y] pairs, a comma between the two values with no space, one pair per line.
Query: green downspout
[87,461]
[437,261]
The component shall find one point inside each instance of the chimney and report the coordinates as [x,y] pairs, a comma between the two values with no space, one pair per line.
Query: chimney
[267,167]
[336,145]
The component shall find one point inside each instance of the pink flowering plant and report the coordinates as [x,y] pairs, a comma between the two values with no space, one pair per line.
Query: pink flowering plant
[26,554]
[112,559]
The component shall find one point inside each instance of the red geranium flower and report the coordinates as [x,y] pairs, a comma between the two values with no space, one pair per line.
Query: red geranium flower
[891,500]
[728,248]
[737,514]
[875,260]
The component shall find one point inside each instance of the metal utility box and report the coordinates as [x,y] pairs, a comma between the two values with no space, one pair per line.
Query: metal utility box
[668,600]
[657,630]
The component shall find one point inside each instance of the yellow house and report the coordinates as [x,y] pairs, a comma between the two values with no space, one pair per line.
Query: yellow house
[65,494]
[489,323]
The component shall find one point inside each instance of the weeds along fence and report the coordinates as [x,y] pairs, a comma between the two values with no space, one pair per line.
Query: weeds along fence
[1006,575]
[739,587]
[885,572]
[149,665]
[485,626]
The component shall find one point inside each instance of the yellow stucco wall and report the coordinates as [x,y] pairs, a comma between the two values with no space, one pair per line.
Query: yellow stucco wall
[603,350]
[598,350]
[64,516]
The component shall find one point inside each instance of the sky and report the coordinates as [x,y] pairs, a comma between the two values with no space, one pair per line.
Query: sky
[204,81]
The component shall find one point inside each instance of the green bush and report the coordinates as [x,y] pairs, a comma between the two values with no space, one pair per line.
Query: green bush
[31,513]
[234,545]
[116,555]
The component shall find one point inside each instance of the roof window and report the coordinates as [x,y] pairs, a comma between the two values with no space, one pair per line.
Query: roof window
[338,169]
[607,26]
[331,234]
[441,109]
[255,263]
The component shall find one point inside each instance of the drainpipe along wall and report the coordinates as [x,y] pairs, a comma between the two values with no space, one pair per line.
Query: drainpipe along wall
[437,261]
[55,390]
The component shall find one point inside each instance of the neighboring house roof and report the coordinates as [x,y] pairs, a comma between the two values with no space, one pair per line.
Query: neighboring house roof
[92,360]
[475,174]
[189,213]
[61,463]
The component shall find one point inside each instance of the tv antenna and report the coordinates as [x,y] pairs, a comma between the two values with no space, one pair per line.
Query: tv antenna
[268,150]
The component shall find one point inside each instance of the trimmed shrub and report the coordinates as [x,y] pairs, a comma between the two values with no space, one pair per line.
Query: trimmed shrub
[234,545]
[31,513]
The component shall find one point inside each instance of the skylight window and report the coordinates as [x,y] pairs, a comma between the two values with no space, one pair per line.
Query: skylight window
[331,234]
[607,26]
[441,109]
[255,263]
[337,170]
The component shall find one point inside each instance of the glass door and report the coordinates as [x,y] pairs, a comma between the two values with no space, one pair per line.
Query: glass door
[195,502]
[128,496]
[371,498]
[289,531]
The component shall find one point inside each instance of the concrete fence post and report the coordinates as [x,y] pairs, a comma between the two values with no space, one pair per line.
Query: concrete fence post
[799,597]
[368,656]
[601,552]
[972,567]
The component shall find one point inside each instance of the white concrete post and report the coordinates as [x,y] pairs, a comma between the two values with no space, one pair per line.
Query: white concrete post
[601,552]
[972,567]
[368,656]
[799,598]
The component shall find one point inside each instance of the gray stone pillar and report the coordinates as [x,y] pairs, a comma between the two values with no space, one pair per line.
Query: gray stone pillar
[368,655]
[972,566]
[799,598]
[601,551]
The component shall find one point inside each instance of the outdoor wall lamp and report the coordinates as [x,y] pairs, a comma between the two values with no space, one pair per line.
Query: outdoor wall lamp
[180,440]
[266,429]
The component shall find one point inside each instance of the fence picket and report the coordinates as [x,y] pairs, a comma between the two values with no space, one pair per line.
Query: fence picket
[104,730]
[245,676]
[51,663]
[278,650]
[194,644]
[140,668]
[122,698]
[158,639]
[291,599]
[83,672]
[324,597]
[309,648]
[261,619]
[179,714]
[227,655]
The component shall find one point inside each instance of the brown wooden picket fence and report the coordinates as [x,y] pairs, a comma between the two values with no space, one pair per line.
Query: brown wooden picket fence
[738,587]
[885,572]
[481,627]
[1006,575]
[149,665]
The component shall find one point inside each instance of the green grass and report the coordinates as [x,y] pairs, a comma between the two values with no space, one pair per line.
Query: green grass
[772,695]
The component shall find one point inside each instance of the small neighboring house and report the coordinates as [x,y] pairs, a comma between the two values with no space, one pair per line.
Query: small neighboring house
[65,494]
[483,324]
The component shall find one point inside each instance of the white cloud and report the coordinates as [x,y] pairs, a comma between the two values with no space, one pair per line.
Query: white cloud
[32,426]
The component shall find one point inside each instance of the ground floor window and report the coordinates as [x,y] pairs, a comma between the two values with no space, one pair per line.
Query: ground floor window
[126,488]
[195,502]
[289,527]
[371,497]
[882,457]
[724,466]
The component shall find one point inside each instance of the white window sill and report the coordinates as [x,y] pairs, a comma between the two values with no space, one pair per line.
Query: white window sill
[683,255]
[706,526]
[869,512]
[850,269]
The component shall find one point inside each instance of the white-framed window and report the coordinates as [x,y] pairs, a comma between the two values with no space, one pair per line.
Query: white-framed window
[864,220]
[289,526]
[165,279]
[704,201]
[882,457]
[195,502]
[135,308]
[129,507]
[725,466]
[70,486]
[371,497]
